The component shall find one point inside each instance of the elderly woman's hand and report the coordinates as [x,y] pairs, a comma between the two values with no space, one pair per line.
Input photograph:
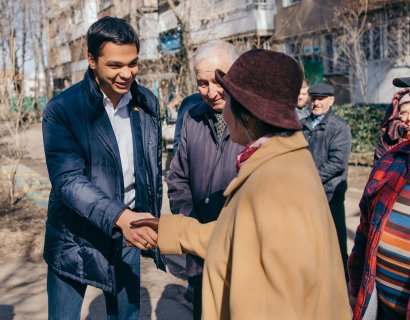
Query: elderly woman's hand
[150,222]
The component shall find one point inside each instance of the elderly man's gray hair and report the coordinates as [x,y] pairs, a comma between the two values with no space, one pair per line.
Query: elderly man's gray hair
[216,49]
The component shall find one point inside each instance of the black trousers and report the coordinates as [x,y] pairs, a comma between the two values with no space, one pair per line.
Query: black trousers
[337,208]
[196,283]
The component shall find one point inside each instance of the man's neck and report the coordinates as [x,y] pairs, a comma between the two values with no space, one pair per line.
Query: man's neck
[114,98]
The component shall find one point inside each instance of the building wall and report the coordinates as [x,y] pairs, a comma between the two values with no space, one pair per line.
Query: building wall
[309,30]
[215,19]
[303,17]
[68,22]
[304,29]
[228,19]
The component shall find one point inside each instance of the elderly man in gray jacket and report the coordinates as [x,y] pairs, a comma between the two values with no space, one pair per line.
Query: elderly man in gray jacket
[205,161]
[330,142]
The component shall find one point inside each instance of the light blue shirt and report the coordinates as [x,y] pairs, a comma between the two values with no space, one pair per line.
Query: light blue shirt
[317,119]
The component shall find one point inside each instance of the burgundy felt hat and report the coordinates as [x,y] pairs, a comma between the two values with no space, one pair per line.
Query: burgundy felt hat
[267,84]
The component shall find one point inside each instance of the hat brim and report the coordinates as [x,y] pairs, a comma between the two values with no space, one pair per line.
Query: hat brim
[401,82]
[288,119]
[321,95]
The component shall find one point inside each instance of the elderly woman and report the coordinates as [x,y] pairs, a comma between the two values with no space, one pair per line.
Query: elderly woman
[396,123]
[273,252]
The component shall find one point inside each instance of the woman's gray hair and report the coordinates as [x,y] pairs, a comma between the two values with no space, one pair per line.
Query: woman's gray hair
[216,48]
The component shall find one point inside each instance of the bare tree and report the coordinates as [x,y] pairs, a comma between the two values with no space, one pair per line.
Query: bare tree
[36,18]
[16,49]
[349,26]
[366,30]
[11,114]
[186,71]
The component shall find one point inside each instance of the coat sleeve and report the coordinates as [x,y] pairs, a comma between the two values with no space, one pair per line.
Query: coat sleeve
[66,167]
[357,258]
[338,155]
[178,234]
[179,190]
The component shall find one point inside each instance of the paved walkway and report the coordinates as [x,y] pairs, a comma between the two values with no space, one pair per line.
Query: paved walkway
[23,285]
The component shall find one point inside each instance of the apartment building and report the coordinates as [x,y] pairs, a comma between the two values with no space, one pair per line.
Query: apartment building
[68,22]
[358,48]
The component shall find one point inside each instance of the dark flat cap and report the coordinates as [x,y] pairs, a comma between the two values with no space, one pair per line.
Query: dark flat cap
[321,90]
[401,82]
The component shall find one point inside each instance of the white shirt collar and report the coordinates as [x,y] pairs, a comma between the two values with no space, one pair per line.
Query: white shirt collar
[125,99]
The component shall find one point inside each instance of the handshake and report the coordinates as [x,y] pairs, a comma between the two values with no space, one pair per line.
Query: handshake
[139,229]
[151,223]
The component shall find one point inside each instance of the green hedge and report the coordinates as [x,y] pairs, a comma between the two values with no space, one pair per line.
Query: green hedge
[364,121]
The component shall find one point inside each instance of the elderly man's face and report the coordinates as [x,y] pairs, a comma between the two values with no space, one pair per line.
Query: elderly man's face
[321,105]
[210,90]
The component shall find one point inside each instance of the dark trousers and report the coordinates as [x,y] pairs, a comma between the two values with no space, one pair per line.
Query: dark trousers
[65,296]
[337,209]
[196,283]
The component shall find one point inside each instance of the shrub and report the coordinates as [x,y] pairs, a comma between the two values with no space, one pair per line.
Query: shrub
[364,121]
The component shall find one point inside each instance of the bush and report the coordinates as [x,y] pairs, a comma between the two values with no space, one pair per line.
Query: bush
[364,121]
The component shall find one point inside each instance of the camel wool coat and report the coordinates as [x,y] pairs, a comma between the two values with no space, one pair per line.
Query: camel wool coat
[273,252]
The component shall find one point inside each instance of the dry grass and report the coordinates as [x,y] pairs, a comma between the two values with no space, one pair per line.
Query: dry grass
[21,228]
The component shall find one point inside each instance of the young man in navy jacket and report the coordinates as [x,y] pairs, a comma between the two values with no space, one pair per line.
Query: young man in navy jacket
[102,141]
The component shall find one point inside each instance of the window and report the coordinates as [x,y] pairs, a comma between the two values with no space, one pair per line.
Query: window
[170,41]
[288,3]
[335,60]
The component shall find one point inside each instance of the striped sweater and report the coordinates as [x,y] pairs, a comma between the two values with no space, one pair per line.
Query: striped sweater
[393,259]
[386,180]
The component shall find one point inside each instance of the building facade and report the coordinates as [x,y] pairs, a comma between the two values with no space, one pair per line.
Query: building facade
[358,46]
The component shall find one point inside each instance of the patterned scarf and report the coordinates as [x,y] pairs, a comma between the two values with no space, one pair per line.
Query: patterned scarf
[249,150]
[220,126]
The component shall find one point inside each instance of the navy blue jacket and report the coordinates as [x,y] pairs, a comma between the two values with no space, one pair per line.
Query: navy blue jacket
[84,165]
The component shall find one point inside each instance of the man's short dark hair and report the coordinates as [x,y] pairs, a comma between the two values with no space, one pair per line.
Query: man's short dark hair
[110,29]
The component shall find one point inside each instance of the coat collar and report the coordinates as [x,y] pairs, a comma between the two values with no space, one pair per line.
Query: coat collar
[275,147]
[198,109]
[96,96]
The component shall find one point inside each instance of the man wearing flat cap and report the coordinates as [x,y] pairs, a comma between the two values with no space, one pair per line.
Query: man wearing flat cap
[330,142]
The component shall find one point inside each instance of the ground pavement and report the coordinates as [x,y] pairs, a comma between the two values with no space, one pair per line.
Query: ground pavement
[23,285]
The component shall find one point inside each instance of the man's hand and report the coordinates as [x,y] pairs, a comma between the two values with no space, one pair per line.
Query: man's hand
[143,238]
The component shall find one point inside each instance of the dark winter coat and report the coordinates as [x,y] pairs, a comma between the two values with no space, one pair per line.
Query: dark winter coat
[87,193]
[201,170]
[330,143]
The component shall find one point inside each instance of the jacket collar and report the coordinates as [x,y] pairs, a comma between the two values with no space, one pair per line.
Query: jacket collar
[325,118]
[307,122]
[198,109]
[96,96]
[275,147]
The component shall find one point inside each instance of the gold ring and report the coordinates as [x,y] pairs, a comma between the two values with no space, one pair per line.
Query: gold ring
[145,243]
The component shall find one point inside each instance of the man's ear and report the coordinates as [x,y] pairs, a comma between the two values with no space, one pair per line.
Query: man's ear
[332,99]
[91,61]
